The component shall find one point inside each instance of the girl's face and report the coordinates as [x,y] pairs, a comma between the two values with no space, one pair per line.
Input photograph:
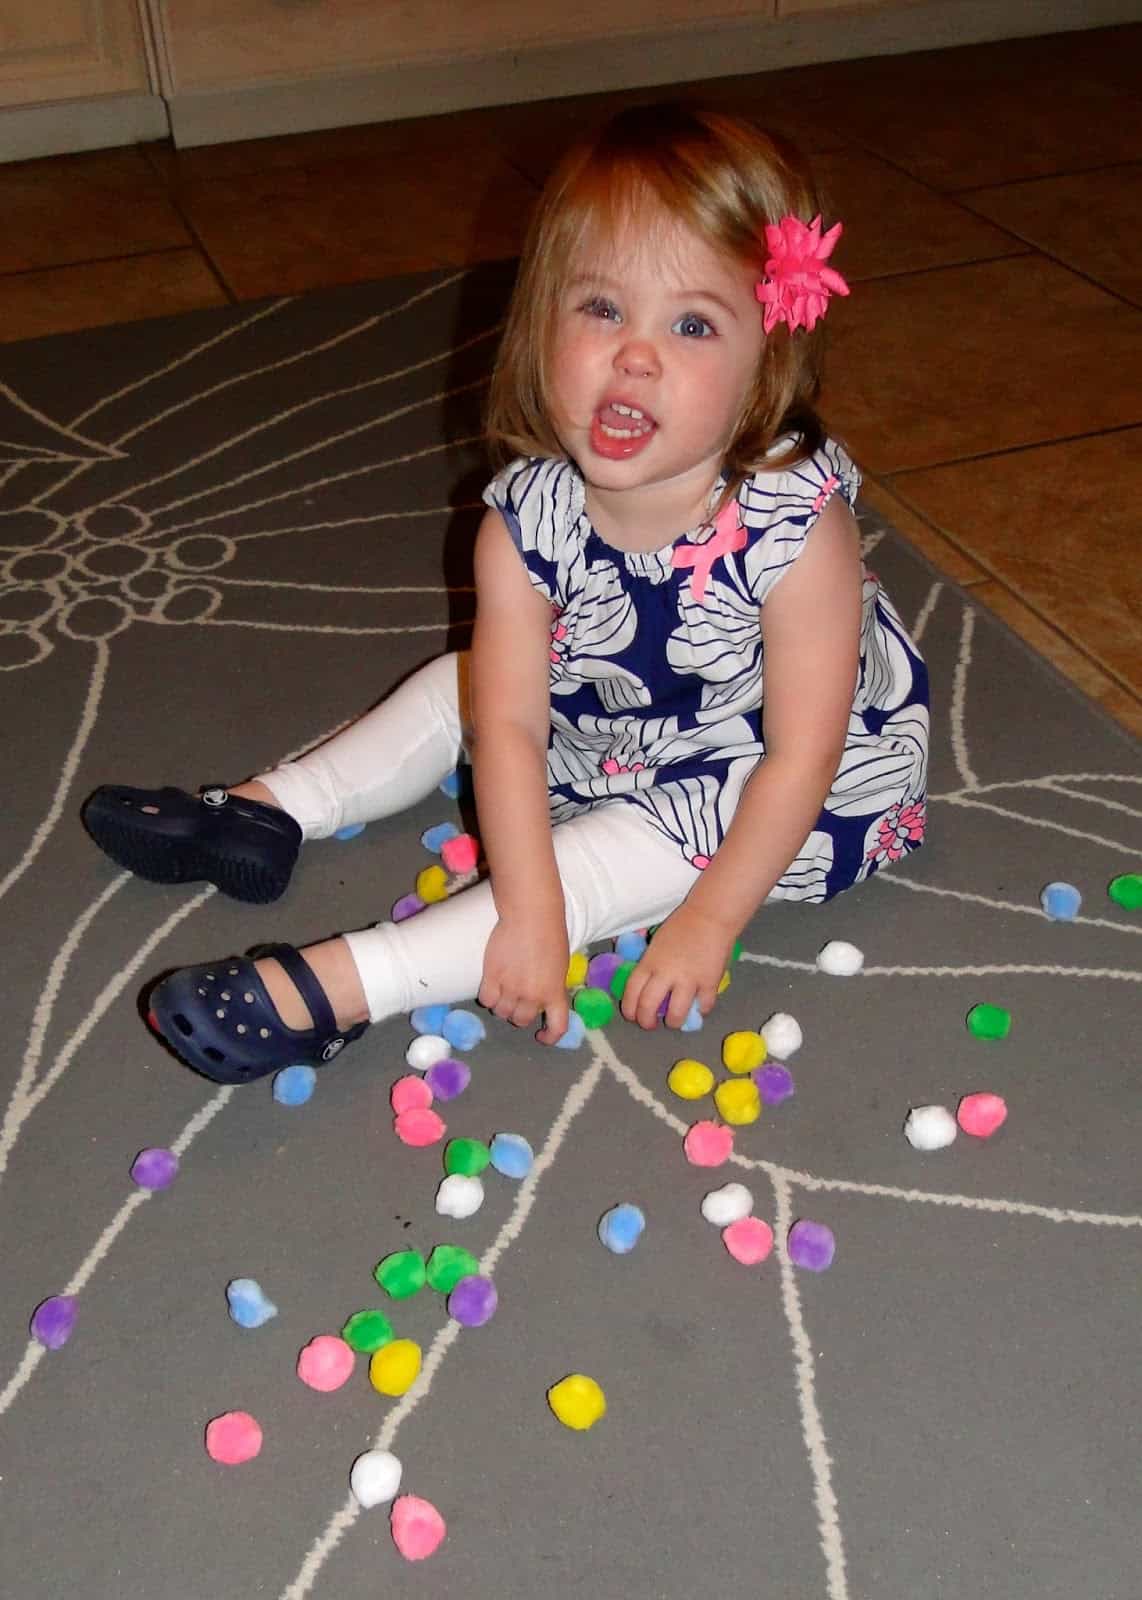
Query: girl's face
[657,342]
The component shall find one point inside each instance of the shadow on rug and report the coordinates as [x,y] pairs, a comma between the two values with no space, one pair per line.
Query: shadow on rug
[224,534]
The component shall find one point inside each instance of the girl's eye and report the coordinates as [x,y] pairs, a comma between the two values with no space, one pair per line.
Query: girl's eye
[692,326]
[596,306]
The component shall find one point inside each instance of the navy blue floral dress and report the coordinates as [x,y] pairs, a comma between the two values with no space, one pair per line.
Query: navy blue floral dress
[657,670]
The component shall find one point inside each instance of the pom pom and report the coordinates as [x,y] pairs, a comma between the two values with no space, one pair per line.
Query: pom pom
[774,1083]
[473,1301]
[410,1093]
[349,831]
[738,1101]
[621,1228]
[428,1019]
[630,946]
[576,970]
[749,1240]
[459,1196]
[53,1321]
[466,1156]
[393,1369]
[409,905]
[375,1478]
[448,1078]
[418,1528]
[602,968]
[811,1245]
[708,1144]
[743,1051]
[450,785]
[929,1127]
[366,1331]
[436,837]
[730,1203]
[426,1049]
[840,959]
[511,1155]
[1126,890]
[248,1304]
[155,1168]
[595,1006]
[981,1114]
[461,853]
[432,885]
[401,1274]
[689,1079]
[463,1029]
[447,1264]
[293,1086]
[419,1127]
[693,1020]
[577,1401]
[1060,901]
[233,1438]
[325,1363]
[782,1035]
[986,1021]
[576,1033]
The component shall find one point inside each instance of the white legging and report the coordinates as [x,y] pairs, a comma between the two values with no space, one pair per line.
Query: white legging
[617,871]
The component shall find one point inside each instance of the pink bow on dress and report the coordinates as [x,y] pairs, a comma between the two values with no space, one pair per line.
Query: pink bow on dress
[728,536]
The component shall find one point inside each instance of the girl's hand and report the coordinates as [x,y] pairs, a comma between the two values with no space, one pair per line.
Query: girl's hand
[685,960]
[525,974]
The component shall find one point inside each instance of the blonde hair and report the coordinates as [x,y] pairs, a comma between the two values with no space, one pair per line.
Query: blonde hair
[716,174]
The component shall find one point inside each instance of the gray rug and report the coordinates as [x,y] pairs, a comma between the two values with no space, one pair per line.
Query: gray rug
[222,535]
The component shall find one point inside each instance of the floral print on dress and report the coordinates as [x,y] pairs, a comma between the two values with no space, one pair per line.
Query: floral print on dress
[657,670]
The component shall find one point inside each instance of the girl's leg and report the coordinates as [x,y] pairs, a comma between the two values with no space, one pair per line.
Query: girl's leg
[381,764]
[617,872]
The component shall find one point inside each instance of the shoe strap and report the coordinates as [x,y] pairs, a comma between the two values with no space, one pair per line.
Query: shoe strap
[307,985]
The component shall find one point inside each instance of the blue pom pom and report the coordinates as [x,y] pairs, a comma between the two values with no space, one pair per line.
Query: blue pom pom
[248,1304]
[512,1155]
[434,838]
[694,1019]
[462,1029]
[576,1033]
[451,785]
[630,946]
[294,1085]
[621,1228]
[350,830]
[428,1019]
[1061,901]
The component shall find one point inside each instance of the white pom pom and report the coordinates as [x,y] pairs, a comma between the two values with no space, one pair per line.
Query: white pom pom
[375,1478]
[782,1035]
[840,959]
[426,1050]
[727,1204]
[459,1196]
[929,1127]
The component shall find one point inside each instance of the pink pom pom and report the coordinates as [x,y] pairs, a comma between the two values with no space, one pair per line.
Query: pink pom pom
[419,1126]
[410,1093]
[232,1438]
[749,1240]
[461,853]
[418,1527]
[708,1144]
[981,1114]
[325,1363]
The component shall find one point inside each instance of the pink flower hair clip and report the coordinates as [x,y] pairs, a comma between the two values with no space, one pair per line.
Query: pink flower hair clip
[797,283]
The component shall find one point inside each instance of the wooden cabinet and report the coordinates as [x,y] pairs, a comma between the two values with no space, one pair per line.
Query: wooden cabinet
[52,50]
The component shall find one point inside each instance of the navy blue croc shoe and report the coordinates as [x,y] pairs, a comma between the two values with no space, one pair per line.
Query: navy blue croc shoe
[244,848]
[220,1019]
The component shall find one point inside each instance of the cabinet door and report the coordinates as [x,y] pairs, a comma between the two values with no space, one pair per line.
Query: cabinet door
[70,49]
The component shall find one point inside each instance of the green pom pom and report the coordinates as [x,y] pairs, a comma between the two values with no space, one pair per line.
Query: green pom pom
[1126,890]
[618,982]
[989,1022]
[595,1006]
[735,953]
[468,1157]
[447,1264]
[367,1331]
[402,1274]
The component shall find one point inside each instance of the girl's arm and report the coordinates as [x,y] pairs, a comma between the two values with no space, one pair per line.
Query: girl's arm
[525,964]
[811,631]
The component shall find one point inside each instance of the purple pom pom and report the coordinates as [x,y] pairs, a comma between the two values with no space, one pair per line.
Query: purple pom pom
[601,969]
[448,1078]
[407,906]
[53,1320]
[774,1083]
[811,1245]
[473,1301]
[155,1169]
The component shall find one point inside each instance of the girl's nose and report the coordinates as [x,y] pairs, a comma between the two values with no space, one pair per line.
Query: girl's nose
[637,358]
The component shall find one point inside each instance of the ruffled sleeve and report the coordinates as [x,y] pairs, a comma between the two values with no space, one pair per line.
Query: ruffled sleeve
[541,502]
[780,507]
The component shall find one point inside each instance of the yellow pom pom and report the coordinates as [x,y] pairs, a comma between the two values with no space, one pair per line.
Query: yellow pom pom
[394,1367]
[577,1401]
[690,1080]
[432,884]
[738,1101]
[725,983]
[576,969]
[743,1051]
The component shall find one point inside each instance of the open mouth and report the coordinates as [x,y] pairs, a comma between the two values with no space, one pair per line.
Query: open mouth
[619,431]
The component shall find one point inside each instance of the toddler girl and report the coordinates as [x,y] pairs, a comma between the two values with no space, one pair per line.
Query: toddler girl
[687,697]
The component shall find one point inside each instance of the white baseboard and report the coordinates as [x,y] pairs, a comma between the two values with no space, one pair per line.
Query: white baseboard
[65,126]
[670,55]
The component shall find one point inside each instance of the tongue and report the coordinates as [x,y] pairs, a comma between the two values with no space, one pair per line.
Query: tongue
[610,418]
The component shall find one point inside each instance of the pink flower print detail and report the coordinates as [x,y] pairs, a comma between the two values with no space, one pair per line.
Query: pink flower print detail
[831,482]
[610,766]
[797,284]
[901,828]
[701,862]
[728,536]
[558,634]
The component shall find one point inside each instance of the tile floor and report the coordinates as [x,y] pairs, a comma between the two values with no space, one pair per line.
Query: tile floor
[985,370]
